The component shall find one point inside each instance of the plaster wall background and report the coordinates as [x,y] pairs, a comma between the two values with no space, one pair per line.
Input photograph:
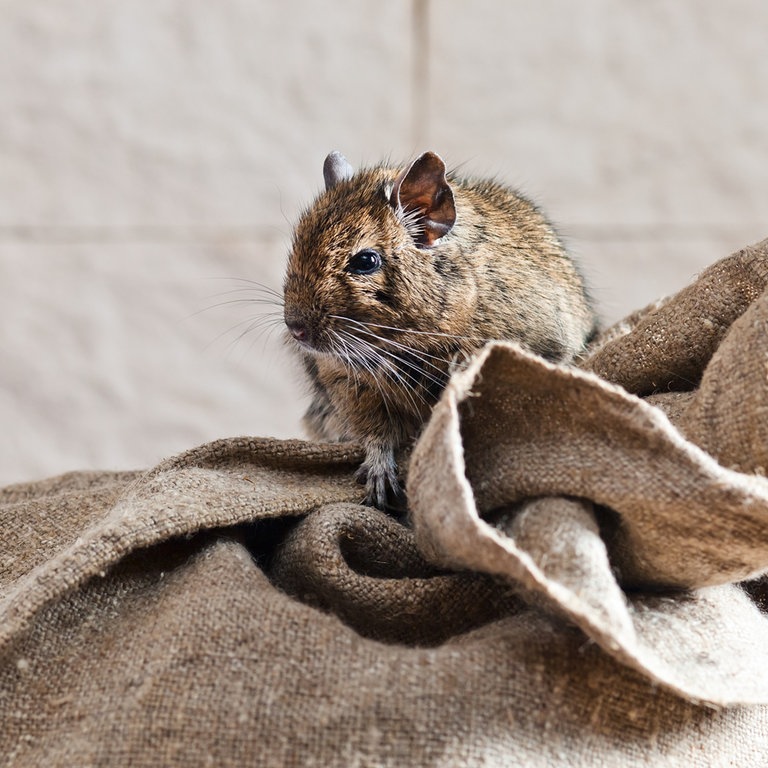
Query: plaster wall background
[153,156]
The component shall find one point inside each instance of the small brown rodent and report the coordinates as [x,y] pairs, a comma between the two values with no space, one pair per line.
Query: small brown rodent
[398,273]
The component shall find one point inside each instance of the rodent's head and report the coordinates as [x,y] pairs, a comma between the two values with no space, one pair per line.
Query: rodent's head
[363,267]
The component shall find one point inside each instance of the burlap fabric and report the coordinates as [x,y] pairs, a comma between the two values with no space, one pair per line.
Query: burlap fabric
[580,585]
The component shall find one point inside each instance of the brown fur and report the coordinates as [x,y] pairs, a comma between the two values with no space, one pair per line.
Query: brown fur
[500,272]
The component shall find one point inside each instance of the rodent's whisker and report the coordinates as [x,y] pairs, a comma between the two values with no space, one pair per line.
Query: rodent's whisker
[414,367]
[414,331]
[418,355]
[360,353]
[255,294]
[353,344]
[264,292]
[251,283]
[422,356]
[228,331]
[228,302]
[260,323]
[415,353]
[268,295]
[407,384]
[342,348]
[256,320]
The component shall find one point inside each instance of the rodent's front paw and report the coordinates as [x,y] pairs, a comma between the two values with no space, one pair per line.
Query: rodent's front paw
[379,475]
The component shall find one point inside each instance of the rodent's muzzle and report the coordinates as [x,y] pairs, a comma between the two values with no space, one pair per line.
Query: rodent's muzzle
[304,314]
[297,325]
[302,327]
[297,329]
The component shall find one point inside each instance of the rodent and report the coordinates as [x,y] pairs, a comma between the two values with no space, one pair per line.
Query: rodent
[398,273]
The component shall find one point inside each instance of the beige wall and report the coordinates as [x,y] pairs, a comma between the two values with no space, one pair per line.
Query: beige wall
[150,149]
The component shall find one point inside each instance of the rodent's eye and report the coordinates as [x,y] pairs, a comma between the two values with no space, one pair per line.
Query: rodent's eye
[365,262]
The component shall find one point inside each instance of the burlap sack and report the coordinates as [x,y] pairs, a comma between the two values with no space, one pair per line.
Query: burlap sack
[569,594]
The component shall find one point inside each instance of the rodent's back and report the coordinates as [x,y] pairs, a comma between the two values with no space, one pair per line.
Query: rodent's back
[529,289]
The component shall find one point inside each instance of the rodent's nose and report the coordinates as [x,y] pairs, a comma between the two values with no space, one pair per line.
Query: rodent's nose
[298,330]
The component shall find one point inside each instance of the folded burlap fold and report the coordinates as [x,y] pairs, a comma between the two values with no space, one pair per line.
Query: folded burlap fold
[520,450]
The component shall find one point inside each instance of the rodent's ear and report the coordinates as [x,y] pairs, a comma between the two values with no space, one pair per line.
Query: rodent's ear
[336,168]
[422,190]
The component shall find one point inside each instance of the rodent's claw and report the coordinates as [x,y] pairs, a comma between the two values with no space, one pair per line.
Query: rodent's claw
[361,476]
[379,475]
[376,488]
[386,494]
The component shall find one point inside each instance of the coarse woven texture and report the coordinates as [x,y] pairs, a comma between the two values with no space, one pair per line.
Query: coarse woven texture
[581,584]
